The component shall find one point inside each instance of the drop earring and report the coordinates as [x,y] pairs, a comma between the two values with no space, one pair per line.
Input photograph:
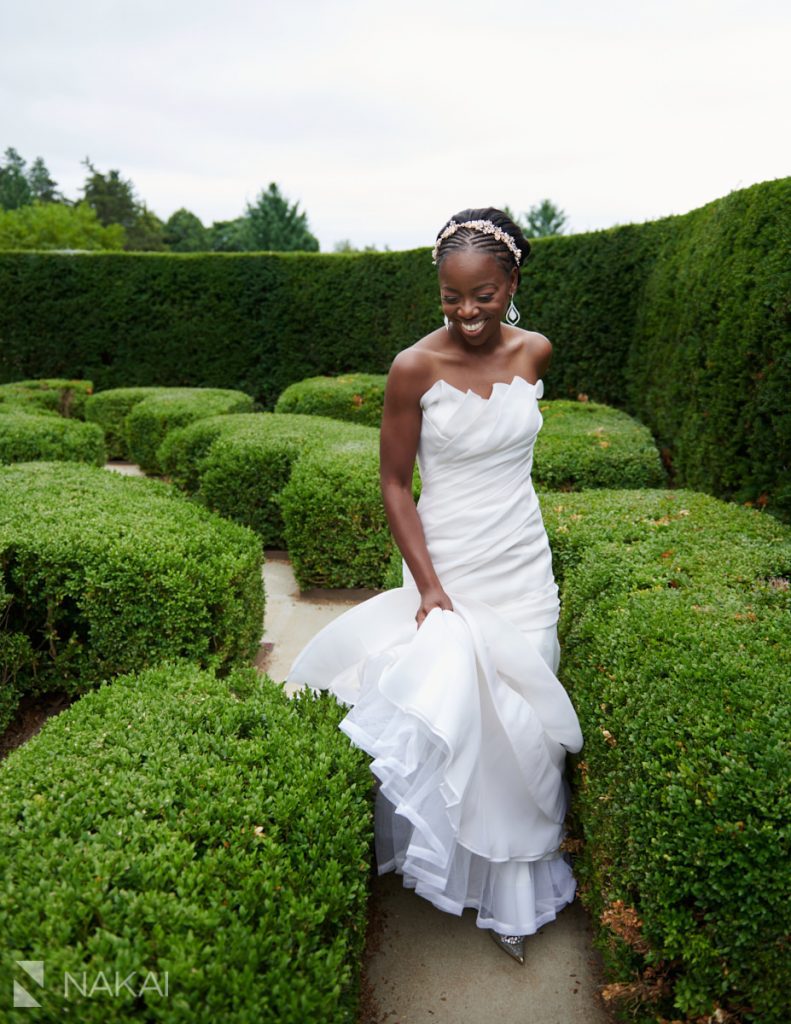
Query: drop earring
[447,322]
[512,314]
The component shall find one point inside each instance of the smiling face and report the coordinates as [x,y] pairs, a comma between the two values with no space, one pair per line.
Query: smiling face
[475,291]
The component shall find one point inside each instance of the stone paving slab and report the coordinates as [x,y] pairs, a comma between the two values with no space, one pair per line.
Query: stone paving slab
[292,618]
[430,967]
[124,468]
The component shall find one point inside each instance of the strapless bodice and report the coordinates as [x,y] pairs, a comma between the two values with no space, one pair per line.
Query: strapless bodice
[478,507]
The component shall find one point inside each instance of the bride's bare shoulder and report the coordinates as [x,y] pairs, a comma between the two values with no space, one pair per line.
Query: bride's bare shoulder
[413,369]
[535,350]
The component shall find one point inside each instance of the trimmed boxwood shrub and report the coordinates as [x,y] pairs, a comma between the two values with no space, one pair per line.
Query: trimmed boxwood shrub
[336,529]
[109,409]
[150,421]
[65,397]
[104,574]
[238,465]
[214,829]
[585,444]
[136,420]
[40,419]
[674,629]
[183,450]
[25,436]
[245,471]
[357,397]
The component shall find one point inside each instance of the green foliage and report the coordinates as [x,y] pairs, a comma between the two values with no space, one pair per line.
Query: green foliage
[104,574]
[336,529]
[394,573]
[114,201]
[55,226]
[165,409]
[109,409]
[230,236]
[153,319]
[275,225]
[710,364]
[245,469]
[674,631]
[238,465]
[151,420]
[587,444]
[541,220]
[183,451]
[14,185]
[345,245]
[110,196]
[285,476]
[64,397]
[184,232]
[357,397]
[20,185]
[40,419]
[704,361]
[24,437]
[42,187]
[147,234]
[211,828]
[270,224]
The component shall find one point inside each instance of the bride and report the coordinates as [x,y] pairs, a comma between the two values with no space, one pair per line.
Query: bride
[450,678]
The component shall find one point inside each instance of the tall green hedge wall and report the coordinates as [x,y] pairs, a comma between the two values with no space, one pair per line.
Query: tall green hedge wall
[683,322]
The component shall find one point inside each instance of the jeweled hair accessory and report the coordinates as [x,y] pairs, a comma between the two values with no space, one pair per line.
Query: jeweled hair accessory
[487,227]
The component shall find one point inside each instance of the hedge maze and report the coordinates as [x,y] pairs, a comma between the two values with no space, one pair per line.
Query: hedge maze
[183,814]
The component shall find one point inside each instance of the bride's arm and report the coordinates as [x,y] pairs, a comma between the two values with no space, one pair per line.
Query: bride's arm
[400,432]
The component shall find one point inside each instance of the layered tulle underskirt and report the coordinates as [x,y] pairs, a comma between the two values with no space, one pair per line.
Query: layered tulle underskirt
[514,897]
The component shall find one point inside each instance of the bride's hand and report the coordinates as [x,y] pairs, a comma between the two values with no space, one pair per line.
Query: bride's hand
[432,599]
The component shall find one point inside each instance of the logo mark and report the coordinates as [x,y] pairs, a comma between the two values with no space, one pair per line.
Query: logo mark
[35,970]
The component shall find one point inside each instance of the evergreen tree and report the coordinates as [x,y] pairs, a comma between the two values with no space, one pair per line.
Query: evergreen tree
[230,236]
[545,219]
[14,186]
[277,226]
[110,196]
[147,234]
[42,187]
[184,232]
[114,200]
[541,220]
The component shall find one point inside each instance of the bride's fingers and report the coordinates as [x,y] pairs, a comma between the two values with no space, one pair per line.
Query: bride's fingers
[423,613]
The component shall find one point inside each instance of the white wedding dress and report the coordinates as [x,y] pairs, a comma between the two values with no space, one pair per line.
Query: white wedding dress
[465,719]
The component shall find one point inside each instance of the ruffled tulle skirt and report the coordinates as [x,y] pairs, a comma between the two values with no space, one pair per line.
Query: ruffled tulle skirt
[468,727]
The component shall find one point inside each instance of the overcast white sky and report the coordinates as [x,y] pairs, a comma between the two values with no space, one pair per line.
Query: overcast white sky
[383,119]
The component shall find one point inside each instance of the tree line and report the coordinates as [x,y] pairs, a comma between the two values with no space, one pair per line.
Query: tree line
[35,214]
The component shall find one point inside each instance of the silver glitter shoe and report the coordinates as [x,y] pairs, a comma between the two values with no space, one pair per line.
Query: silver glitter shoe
[514,945]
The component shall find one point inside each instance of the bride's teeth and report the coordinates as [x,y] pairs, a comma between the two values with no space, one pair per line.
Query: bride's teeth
[472,327]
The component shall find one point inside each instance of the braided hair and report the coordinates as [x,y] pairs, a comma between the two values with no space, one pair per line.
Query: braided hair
[471,238]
